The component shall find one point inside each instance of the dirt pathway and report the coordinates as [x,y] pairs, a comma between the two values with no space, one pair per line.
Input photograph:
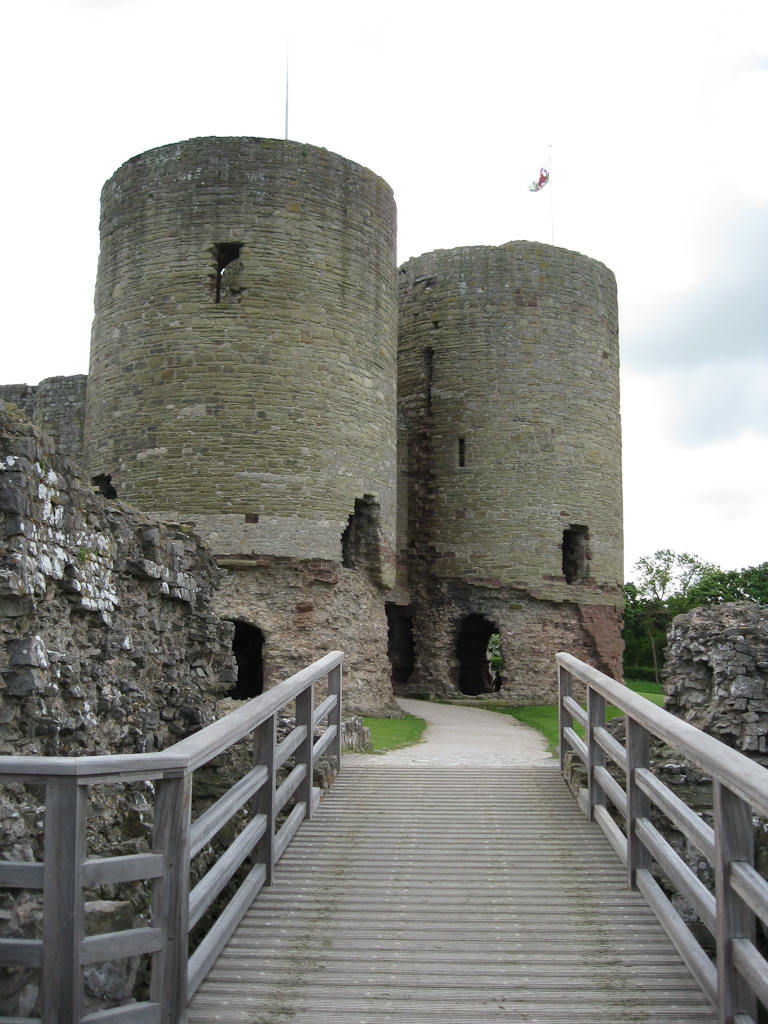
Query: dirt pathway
[464,736]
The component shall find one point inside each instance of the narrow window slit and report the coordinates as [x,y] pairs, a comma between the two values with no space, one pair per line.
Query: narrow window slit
[224,254]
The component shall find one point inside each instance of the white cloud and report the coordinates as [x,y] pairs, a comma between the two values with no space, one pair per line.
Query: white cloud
[710,500]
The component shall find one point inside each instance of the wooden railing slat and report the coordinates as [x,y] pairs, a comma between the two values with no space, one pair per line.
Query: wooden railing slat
[334,718]
[678,872]
[699,964]
[612,788]
[752,967]
[735,920]
[751,886]
[289,786]
[680,814]
[218,814]
[113,945]
[21,874]
[595,753]
[613,833]
[323,709]
[214,880]
[63,919]
[612,747]
[324,742]
[136,867]
[565,719]
[576,711]
[287,746]
[576,744]
[205,955]
[21,952]
[288,829]
[136,1013]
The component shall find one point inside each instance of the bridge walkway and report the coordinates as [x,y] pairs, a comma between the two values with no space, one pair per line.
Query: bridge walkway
[449,894]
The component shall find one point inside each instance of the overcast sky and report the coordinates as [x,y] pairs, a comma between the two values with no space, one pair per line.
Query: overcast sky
[656,114]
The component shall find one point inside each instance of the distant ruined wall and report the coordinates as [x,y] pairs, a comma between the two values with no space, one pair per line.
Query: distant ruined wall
[57,406]
[716,674]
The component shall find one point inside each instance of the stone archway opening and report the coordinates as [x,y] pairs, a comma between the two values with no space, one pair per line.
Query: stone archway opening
[400,646]
[472,639]
[248,649]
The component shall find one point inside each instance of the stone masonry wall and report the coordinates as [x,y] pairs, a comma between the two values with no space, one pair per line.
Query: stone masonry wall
[508,362]
[108,644]
[509,441]
[258,399]
[57,406]
[531,631]
[716,674]
[304,610]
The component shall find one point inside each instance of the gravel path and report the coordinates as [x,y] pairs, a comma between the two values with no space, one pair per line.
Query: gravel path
[463,736]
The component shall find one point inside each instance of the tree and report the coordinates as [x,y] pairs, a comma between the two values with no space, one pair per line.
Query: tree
[669,584]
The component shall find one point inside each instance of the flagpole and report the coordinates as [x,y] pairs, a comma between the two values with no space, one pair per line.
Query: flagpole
[287,65]
[551,199]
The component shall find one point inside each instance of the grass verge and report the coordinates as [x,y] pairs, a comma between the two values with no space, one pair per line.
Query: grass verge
[544,718]
[393,733]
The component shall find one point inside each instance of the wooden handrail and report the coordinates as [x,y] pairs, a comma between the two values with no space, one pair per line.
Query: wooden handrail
[740,786]
[740,774]
[66,872]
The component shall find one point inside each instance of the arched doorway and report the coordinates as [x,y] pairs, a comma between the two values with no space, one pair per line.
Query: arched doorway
[248,649]
[471,651]
[400,647]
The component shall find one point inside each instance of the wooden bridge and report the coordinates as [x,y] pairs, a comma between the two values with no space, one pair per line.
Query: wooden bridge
[412,894]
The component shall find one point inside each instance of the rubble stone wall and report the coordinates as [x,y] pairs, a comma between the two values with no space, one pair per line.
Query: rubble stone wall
[304,610]
[531,631]
[716,674]
[57,406]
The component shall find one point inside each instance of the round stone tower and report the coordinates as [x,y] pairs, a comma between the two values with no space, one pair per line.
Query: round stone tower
[509,394]
[243,358]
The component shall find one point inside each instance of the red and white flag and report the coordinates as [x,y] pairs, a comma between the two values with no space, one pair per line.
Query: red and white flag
[537,186]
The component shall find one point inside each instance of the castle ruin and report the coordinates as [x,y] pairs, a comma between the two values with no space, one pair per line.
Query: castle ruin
[399,477]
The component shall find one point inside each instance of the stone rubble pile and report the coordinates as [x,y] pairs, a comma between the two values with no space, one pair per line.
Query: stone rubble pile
[716,674]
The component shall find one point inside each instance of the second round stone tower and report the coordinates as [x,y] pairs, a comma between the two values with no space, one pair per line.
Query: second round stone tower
[511,504]
[242,380]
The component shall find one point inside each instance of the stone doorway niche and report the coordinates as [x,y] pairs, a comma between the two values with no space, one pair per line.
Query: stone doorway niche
[402,655]
[472,638]
[248,649]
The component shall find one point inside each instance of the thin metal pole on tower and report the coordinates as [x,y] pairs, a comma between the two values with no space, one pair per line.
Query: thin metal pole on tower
[551,199]
[287,66]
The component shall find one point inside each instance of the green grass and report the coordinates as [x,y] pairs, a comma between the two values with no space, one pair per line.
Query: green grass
[544,718]
[393,733]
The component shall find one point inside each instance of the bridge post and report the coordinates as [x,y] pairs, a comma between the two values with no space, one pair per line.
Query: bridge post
[597,756]
[264,744]
[735,920]
[305,705]
[170,897]
[565,689]
[638,804]
[65,843]
[334,717]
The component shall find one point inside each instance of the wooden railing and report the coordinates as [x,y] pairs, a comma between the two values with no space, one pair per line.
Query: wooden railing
[740,788]
[66,870]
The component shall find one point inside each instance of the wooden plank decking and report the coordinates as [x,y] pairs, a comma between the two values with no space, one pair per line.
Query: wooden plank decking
[449,895]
